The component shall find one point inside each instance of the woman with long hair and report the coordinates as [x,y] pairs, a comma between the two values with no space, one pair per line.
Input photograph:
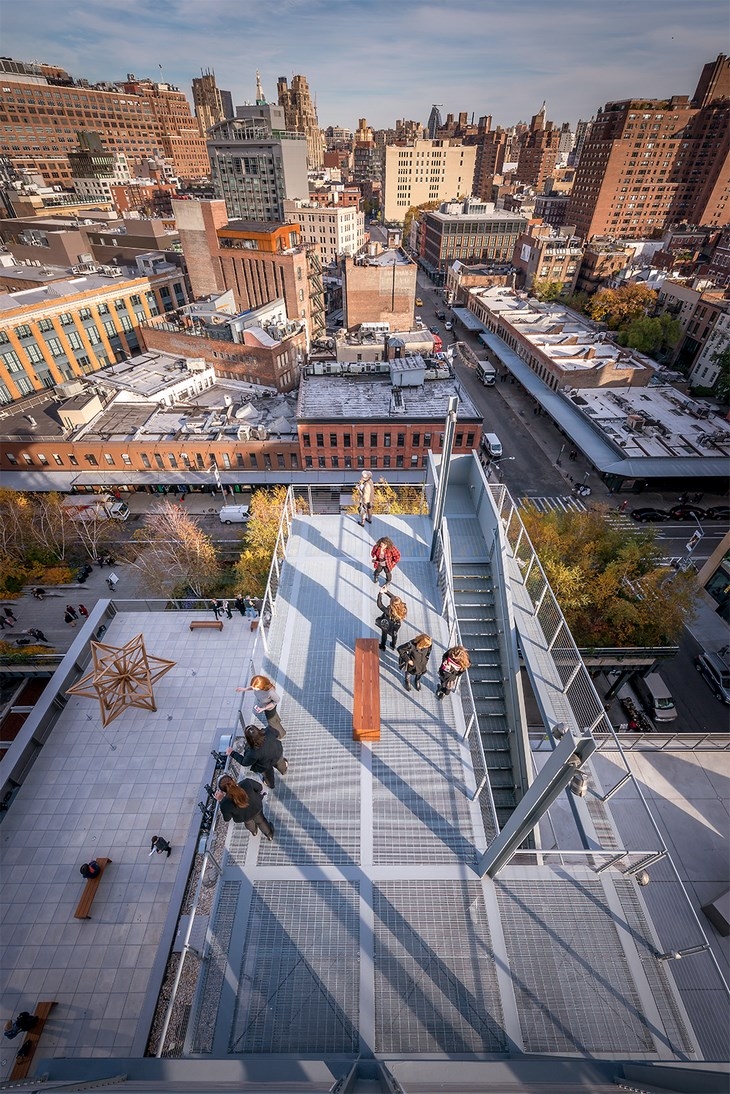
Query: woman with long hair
[413,659]
[392,615]
[243,804]
[263,753]
[385,556]
[265,702]
[454,663]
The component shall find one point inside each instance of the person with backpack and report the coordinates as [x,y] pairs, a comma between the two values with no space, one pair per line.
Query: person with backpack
[385,556]
[392,615]
[413,659]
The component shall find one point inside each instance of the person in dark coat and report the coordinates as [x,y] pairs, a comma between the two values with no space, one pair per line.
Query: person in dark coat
[413,659]
[392,615]
[70,610]
[385,556]
[9,615]
[24,1023]
[70,619]
[454,663]
[90,869]
[243,804]
[240,605]
[160,846]
[264,752]
[217,606]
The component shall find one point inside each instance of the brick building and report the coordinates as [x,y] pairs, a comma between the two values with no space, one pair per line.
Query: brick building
[543,253]
[355,421]
[490,156]
[539,151]
[336,229]
[50,334]
[379,287]
[260,262]
[470,232]
[41,117]
[648,164]
[261,346]
[601,260]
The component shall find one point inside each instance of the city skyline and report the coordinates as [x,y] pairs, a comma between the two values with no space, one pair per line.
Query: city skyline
[573,56]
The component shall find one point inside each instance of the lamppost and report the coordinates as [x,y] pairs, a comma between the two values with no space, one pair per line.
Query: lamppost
[500,473]
[216,474]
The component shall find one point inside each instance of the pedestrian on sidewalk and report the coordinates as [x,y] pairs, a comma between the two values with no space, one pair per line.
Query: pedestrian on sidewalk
[392,615]
[385,556]
[69,618]
[9,615]
[227,609]
[83,612]
[454,664]
[243,803]
[217,606]
[365,491]
[39,593]
[266,700]
[34,632]
[23,1023]
[264,752]
[573,455]
[413,659]
[72,611]
[160,846]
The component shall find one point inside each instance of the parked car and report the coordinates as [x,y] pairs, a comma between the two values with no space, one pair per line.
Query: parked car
[716,673]
[650,516]
[441,315]
[687,512]
[449,325]
[718,512]
[434,330]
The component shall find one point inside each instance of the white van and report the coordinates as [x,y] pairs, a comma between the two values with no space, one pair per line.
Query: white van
[655,697]
[234,514]
[492,445]
[486,373]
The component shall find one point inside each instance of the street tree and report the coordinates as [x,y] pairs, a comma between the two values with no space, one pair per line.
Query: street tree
[172,554]
[609,579]
[650,334]
[619,307]
[252,568]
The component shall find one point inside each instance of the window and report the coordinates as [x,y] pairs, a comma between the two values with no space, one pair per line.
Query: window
[398,461]
[280,460]
[348,461]
[159,461]
[171,459]
[321,462]
[66,319]
[347,440]
[459,440]
[414,461]
[110,329]
[386,461]
[34,354]
[126,460]
[253,461]
[85,313]
[91,459]
[23,331]
[307,461]
[74,340]
[55,347]
[416,440]
[42,460]
[45,325]
[335,461]
[11,361]
[373,461]
[93,335]
[360,440]
[470,440]
[360,461]
[11,459]
[386,440]
[126,323]
[57,459]
[333,440]
[320,440]
[145,460]
[401,440]
[103,309]
[29,459]
[306,440]
[294,461]
[426,440]
[373,440]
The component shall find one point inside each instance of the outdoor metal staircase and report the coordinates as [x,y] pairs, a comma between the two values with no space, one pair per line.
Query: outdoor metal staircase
[474,600]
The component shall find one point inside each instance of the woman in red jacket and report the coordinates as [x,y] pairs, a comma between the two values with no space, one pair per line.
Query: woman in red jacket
[385,556]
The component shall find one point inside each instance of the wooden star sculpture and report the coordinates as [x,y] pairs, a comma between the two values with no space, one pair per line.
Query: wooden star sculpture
[122,677]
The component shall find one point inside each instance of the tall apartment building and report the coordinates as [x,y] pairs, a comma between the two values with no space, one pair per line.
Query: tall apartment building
[470,232]
[539,151]
[259,261]
[336,229]
[40,117]
[490,156]
[208,101]
[255,164]
[80,325]
[648,164]
[426,171]
[301,116]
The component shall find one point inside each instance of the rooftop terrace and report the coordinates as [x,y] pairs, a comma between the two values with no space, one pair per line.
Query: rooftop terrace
[369,928]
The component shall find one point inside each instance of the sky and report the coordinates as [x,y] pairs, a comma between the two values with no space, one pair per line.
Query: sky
[387,59]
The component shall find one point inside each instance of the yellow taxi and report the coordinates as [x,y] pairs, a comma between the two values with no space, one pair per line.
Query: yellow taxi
[419,302]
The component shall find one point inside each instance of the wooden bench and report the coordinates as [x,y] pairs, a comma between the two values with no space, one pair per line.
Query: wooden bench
[22,1066]
[366,692]
[92,884]
[206,625]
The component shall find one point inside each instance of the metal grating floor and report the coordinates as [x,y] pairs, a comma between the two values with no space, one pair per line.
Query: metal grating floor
[299,976]
[574,989]
[435,983]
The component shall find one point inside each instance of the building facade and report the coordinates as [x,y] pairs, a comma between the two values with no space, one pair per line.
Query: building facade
[301,117]
[379,287]
[544,254]
[80,325]
[539,151]
[424,171]
[336,229]
[208,102]
[646,165]
[470,232]
[41,118]
[254,171]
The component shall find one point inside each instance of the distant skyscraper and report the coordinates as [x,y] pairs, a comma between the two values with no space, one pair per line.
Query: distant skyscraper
[207,101]
[649,164]
[434,121]
[301,116]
